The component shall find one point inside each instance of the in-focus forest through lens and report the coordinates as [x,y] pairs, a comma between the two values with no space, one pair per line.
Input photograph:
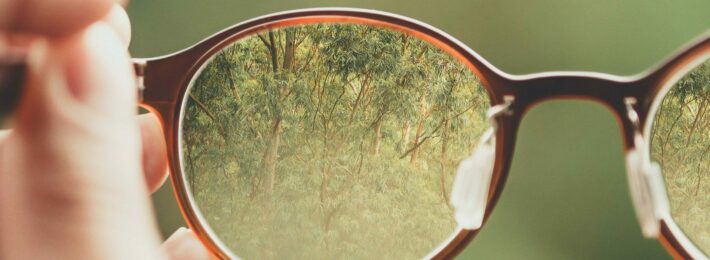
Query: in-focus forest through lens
[681,144]
[330,141]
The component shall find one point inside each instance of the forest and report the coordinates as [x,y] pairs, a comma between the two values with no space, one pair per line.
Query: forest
[329,141]
[680,143]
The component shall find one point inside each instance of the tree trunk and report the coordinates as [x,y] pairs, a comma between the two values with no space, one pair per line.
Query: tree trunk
[698,115]
[404,141]
[325,176]
[415,142]
[325,170]
[271,156]
[420,130]
[289,51]
[378,137]
[274,52]
[443,160]
[363,90]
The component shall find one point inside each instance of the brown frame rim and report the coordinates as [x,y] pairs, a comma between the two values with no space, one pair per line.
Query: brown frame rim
[446,248]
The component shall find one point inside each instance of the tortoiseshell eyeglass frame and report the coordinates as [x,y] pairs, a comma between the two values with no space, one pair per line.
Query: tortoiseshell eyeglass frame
[163,82]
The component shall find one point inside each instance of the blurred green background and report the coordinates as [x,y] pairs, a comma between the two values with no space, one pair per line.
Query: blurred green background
[566,197]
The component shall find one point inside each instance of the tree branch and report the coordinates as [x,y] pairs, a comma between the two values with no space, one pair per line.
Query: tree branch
[209,113]
[264,41]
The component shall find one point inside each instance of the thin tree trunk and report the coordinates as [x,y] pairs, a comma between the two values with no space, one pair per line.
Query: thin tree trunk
[698,115]
[420,130]
[325,170]
[271,156]
[273,51]
[666,139]
[289,51]
[404,141]
[443,160]
[363,89]
[415,143]
[378,137]
[325,176]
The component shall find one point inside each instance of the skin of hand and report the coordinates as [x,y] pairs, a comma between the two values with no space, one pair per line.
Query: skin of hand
[77,169]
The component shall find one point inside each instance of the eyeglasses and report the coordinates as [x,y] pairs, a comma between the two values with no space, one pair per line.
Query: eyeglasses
[333,133]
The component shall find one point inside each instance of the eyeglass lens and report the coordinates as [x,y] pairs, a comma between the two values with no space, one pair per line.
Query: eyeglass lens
[329,140]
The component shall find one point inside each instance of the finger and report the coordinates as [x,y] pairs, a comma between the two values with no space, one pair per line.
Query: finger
[184,244]
[50,17]
[117,18]
[155,158]
[74,154]
[3,134]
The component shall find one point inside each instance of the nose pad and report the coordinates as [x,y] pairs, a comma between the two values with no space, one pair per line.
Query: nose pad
[469,194]
[647,188]
[473,177]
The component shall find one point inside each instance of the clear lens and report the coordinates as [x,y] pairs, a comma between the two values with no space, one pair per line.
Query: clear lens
[681,144]
[330,141]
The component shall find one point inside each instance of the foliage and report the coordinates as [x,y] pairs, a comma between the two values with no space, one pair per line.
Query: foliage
[681,144]
[330,141]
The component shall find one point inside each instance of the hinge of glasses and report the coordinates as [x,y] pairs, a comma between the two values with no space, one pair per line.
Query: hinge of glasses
[646,183]
[139,67]
[469,194]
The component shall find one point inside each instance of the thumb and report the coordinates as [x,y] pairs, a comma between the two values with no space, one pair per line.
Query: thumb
[74,156]
[183,244]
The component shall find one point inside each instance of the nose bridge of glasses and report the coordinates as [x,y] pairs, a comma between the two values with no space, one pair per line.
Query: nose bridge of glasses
[622,97]
[607,89]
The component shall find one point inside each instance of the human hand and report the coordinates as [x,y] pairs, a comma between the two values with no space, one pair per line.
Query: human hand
[77,170]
